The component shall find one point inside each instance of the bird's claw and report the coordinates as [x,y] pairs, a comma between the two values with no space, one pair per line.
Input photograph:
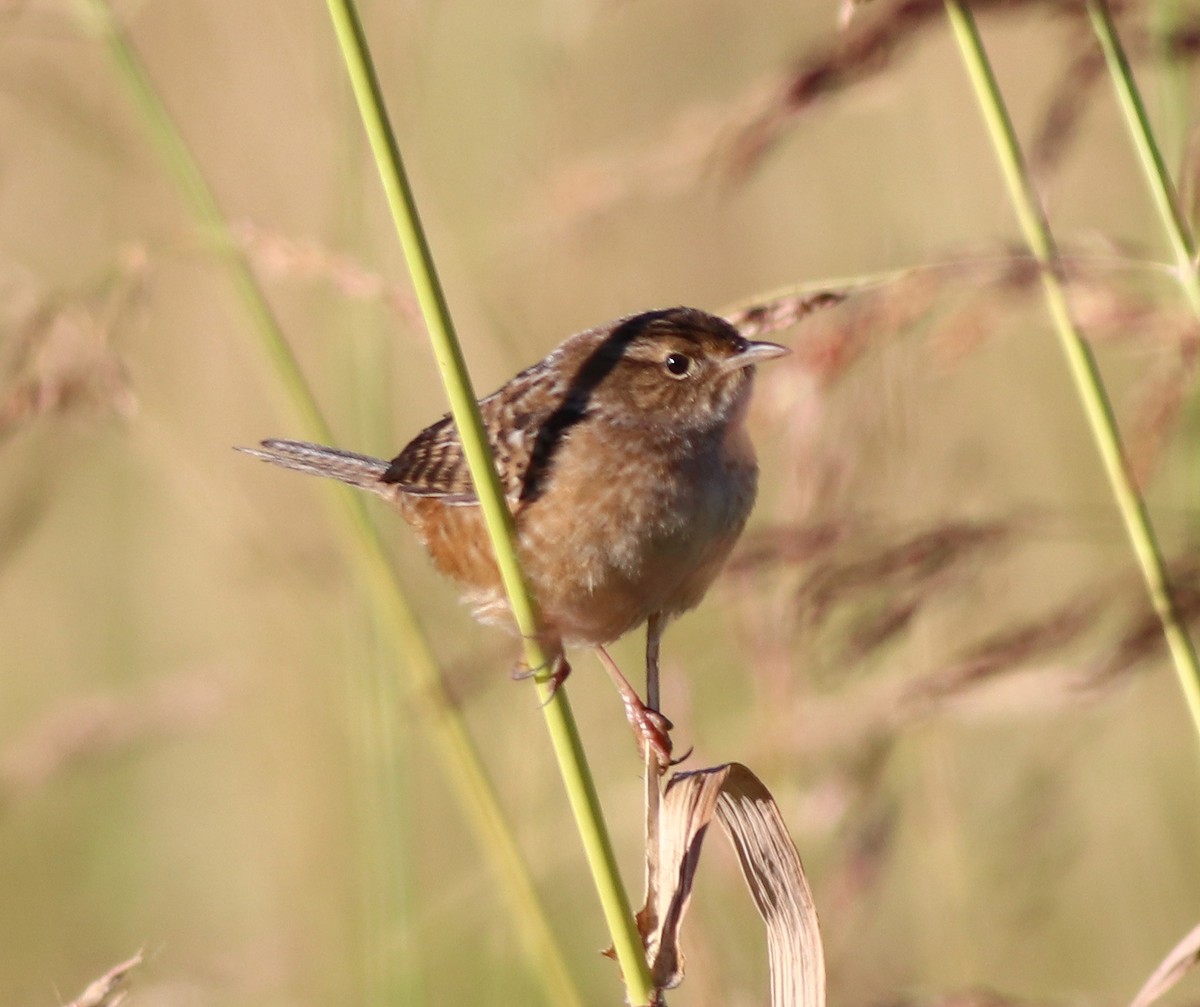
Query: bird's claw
[652,730]
[559,670]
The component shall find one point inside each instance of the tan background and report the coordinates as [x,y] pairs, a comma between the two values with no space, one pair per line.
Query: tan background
[197,753]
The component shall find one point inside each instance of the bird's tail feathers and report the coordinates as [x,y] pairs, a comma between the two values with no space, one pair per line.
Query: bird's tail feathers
[346,466]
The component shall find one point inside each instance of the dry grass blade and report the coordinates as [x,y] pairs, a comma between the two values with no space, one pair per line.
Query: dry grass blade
[1061,120]
[1064,114]
[729,139]
[1005,652]
[1142,638]
[678,159]
[787,545]
[770,864]
[860,52]
[58,355]
[1160,404]
[1179,962]
[762,319]
[864,50]
[917,563]
[109,990]
[278,255]
[869,44]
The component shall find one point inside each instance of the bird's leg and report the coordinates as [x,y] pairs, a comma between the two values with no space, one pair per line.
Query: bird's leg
[653,636]
[649,726]
[654,631]
[654,628]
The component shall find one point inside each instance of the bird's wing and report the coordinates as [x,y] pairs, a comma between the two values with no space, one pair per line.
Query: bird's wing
[433,463]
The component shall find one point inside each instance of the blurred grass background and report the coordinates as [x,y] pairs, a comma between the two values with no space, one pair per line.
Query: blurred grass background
[205,751]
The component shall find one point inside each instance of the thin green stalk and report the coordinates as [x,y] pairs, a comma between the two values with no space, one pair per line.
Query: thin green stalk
[1158,177]
[456,750]
[564,736]
[1086,374]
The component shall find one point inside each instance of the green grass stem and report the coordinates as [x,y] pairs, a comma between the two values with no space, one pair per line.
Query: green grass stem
[1158,177]
[1084,370]
[426,688]
[560,721]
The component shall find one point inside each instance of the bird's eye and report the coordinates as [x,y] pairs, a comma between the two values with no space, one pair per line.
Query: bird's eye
[678,364]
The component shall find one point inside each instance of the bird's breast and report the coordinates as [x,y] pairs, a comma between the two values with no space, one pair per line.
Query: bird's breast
[628,527]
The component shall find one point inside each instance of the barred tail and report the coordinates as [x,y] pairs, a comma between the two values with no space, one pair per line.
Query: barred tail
[357,470]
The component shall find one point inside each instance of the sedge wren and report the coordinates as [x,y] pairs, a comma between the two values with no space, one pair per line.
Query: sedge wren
[624,458]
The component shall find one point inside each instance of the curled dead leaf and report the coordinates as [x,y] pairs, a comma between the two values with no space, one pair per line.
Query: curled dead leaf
[770,864]
[1180,960]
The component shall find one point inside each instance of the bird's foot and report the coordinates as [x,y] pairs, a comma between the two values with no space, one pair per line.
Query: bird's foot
[650,727]
[559,670]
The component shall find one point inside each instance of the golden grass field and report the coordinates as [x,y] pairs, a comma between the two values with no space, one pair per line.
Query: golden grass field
[933,645]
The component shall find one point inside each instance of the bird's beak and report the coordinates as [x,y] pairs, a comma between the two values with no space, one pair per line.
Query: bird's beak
[754,353]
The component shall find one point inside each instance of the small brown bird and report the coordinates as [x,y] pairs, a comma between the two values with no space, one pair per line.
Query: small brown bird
[624,458]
